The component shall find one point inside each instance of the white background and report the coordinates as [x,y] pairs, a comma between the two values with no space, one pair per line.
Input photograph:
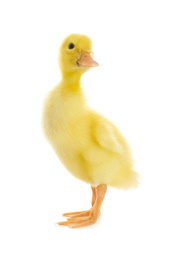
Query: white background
[135,43]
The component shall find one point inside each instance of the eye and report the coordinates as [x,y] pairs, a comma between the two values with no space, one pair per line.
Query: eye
[71,46]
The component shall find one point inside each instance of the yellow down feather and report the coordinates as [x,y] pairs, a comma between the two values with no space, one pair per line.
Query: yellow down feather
[89,145]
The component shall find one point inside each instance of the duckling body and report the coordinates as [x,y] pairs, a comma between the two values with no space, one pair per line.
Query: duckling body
[89,145]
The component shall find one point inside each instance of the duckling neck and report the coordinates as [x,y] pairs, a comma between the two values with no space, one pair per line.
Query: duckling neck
[70,89]
[71,79]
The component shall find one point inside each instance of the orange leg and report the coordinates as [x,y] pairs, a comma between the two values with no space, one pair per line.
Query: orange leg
[82,213]
[93,195]
[89,217]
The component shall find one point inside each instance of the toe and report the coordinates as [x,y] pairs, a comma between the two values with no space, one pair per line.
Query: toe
[82,214]
[69,214]
[89,222]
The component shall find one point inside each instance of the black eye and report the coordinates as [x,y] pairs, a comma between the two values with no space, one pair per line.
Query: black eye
[71,46]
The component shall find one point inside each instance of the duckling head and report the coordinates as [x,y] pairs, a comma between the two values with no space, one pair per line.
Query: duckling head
[76,54]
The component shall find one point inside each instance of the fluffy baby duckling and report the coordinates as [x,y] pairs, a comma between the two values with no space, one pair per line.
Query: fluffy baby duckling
[89,145]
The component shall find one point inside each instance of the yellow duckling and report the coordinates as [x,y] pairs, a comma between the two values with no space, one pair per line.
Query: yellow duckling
[89,145]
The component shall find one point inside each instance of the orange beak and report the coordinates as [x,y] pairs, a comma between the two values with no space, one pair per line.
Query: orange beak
[86,60]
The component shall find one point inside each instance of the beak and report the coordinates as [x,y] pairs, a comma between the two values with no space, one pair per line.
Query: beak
[86,60]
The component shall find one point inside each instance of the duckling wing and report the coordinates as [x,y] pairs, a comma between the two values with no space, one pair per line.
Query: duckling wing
[103,133]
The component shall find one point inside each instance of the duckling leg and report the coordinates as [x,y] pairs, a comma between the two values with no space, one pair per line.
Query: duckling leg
[82,213]
[94,212]
[93,195]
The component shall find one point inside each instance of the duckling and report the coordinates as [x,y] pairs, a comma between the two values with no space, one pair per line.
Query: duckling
[87,144]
